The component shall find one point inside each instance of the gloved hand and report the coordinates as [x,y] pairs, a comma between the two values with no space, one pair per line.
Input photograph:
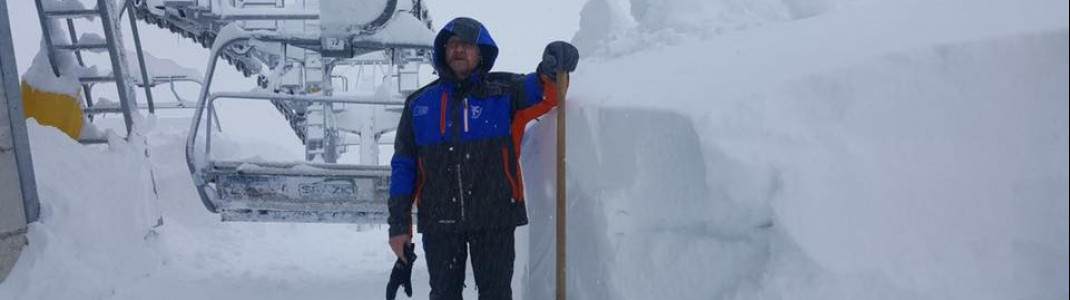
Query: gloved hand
[558,56]
[402,274]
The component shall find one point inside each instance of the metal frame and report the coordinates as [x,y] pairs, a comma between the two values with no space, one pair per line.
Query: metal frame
[127,6]
[47,34]
[171,82]
[281,97]
[112,36]
[204,24]
[20,138]
[206,101]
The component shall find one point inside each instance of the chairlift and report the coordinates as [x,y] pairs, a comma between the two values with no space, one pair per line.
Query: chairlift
[264,191]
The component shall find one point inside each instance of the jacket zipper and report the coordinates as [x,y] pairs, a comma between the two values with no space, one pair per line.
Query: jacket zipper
[465,114]
[456,139]
[460,184]
[460,190]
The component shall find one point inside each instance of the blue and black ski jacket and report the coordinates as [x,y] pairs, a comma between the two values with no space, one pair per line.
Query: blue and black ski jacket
[457,147]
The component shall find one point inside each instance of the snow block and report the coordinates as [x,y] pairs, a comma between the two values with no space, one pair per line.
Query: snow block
[53,109]
[653,212]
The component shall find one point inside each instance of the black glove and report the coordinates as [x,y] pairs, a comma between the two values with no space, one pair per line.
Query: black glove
[558,56]
[402,274]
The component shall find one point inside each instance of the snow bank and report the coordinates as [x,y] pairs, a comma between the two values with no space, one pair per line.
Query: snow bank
[943,170]
[891,150]
[39,75]
[887,150]
[649,217]
[209,259]
[98,210]
[620,27]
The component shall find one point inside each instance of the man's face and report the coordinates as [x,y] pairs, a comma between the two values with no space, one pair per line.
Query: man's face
[462,56]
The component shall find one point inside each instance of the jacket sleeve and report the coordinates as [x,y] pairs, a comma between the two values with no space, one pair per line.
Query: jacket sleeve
[402,175]
[536,95]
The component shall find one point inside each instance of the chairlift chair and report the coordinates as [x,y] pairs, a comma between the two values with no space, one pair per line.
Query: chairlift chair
[260,191]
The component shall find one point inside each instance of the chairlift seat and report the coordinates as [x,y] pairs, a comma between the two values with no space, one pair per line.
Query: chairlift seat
[300,192]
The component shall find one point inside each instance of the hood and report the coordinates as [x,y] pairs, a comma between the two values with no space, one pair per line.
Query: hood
[472,31]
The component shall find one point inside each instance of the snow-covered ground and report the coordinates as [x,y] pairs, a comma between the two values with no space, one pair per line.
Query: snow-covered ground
[793,150]
[121,236]
[96,229]
[885,150]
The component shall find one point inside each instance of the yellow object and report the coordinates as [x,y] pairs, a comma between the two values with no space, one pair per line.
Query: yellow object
[53,109]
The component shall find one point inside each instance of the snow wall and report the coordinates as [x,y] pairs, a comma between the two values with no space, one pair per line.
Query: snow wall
[886,150]
[853,150]
[98,213]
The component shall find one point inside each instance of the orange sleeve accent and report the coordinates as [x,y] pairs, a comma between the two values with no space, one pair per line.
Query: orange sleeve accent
[520,121]
[508,175]
[442,115]
[420,179]
[522,117]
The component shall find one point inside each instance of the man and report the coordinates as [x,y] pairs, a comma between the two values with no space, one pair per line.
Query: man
[456,158]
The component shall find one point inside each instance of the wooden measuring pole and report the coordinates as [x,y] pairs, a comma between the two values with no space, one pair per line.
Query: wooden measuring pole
[562,86]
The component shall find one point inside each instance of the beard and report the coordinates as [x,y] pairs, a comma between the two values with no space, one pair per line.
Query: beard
[461,66]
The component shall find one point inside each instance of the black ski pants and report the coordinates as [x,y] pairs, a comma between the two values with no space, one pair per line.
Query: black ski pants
[492,262]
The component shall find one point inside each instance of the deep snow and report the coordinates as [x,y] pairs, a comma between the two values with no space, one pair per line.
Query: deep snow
[891,150]
[812,150]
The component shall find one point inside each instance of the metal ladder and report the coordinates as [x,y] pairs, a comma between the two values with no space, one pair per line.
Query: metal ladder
[105,10]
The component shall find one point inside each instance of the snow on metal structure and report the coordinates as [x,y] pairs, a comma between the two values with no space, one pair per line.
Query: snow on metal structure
[18,189]
[59,48]
[307,192]
[321,35]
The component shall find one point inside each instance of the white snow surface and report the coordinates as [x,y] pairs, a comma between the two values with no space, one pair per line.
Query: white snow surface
[92,38]
[62,5]
[404,29]
[811,149]
[40,76]
[619,27]
[95,232]
[158,67]
[891,150]
[345,15]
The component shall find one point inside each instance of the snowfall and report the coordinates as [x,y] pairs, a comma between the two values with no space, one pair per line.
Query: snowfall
[717,149]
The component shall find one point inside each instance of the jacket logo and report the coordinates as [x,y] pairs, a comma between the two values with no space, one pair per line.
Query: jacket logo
[476,111]
[419,110]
